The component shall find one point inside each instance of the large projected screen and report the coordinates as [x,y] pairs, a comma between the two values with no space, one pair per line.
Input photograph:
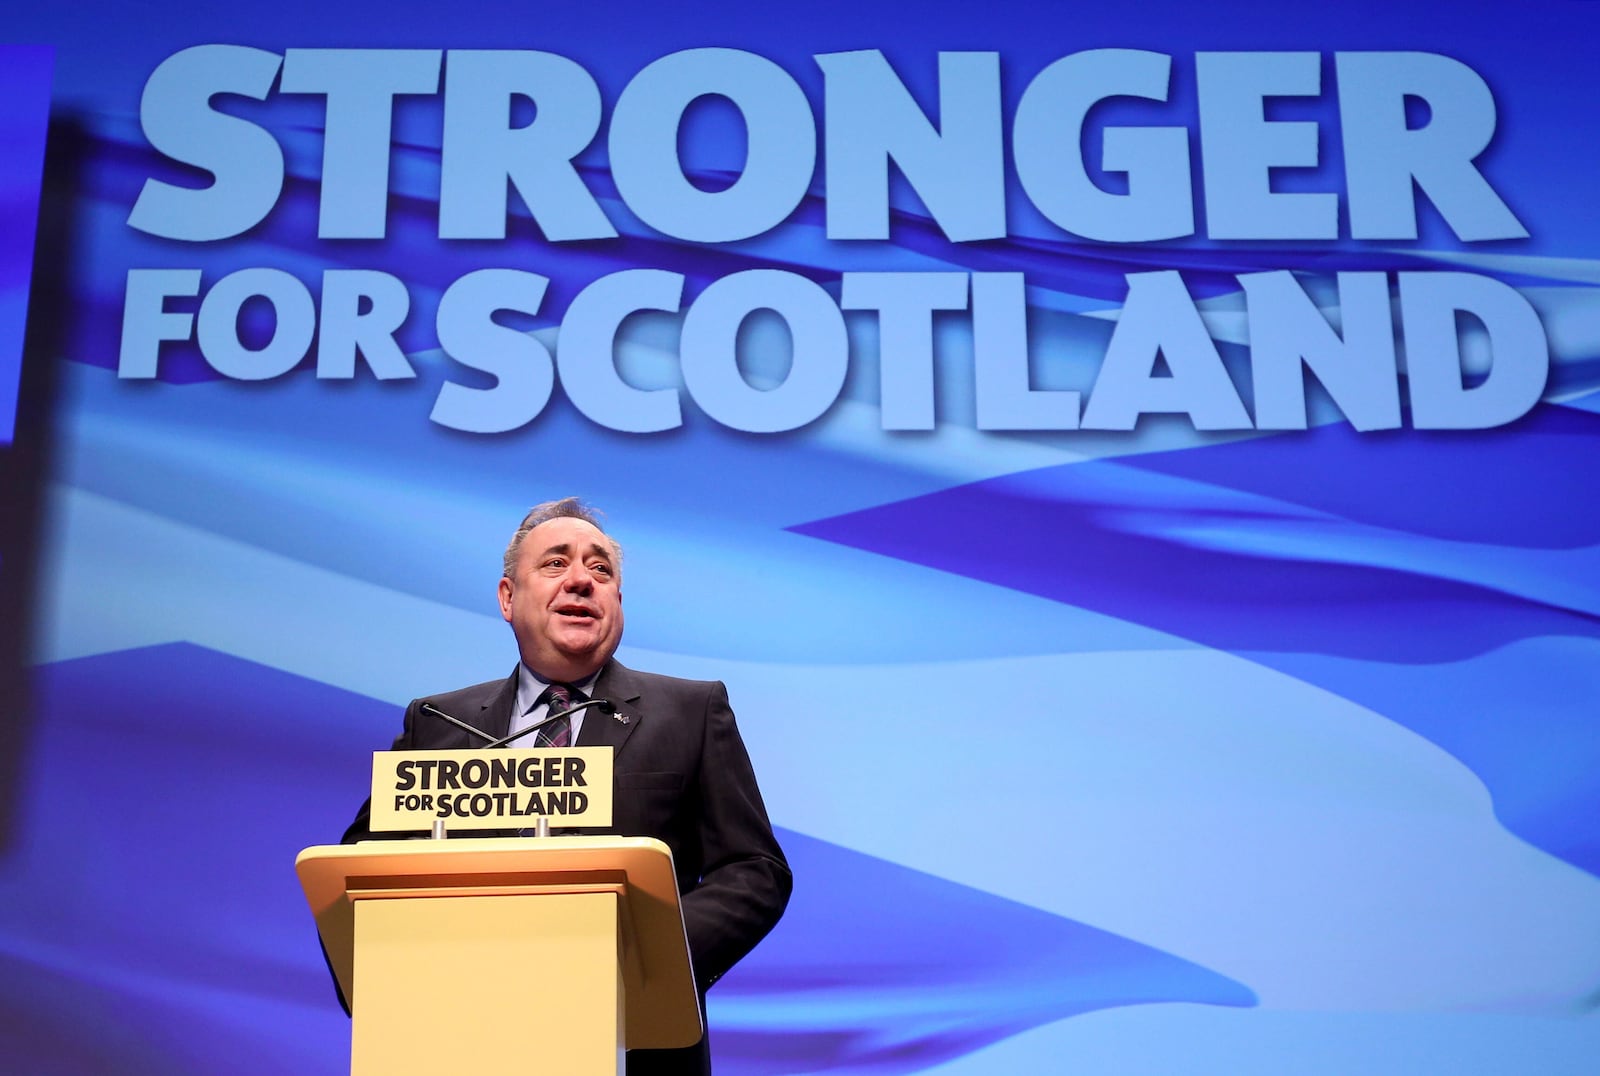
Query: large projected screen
[1127,466]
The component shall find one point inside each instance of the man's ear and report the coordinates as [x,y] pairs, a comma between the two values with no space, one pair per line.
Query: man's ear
[504,591]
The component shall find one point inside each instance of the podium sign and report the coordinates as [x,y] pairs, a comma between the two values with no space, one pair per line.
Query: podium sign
[491,789]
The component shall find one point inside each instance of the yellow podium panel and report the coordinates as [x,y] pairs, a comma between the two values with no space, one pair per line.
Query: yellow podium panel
[496,955]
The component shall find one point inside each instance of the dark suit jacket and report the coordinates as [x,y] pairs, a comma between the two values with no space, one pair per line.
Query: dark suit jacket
[682,776]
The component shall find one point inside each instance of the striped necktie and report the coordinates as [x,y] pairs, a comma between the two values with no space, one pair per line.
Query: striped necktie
[557,733]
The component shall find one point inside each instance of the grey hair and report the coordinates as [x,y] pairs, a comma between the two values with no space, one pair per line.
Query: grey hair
[565,508]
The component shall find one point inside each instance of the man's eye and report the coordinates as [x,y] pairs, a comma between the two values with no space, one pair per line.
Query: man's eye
[554,562]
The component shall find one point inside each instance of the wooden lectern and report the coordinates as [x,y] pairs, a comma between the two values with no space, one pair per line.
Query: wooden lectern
[504,955]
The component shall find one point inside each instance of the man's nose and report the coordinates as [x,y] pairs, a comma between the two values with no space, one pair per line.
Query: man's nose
[579,578]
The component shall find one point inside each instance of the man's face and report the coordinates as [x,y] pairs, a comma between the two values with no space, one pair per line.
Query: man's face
[564,601]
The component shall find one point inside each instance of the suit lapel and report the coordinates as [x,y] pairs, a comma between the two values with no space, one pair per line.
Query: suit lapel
[494,716]
[602,730]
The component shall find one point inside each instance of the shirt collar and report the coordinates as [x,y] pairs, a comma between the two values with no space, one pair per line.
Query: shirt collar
[530,685]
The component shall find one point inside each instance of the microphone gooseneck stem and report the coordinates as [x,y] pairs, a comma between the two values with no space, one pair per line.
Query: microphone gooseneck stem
[606,703]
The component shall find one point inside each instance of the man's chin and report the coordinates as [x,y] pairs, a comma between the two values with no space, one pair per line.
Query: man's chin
[577,643]
[588,653]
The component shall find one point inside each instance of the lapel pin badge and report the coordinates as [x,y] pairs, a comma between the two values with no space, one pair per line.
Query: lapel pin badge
[621,717]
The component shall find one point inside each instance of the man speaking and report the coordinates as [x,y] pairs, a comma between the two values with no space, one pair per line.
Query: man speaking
[681,770]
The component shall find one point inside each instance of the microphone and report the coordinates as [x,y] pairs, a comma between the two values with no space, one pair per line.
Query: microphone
[430,708]
[607,706]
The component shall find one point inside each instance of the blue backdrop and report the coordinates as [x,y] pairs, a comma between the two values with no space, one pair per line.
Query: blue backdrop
[1209,745]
